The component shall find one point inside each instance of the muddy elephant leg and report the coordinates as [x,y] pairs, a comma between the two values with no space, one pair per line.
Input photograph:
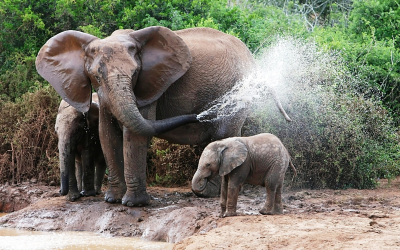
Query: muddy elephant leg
[88,173]
[99,174]
[135,152]
[235,180]
[111,143]
[232,197]
[73,193]
[273,203]
[78,174]
[270,200]
[224,192]
[278,207]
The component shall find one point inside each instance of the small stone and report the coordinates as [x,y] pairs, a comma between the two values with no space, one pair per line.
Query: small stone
[372,223]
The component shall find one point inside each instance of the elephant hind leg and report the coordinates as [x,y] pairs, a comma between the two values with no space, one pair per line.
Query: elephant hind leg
[278,207]
[273,203]
[99,176]
[268,208]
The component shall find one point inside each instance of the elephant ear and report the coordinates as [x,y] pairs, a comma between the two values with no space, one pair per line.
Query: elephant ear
[165,58]
[232,156]
[61,62]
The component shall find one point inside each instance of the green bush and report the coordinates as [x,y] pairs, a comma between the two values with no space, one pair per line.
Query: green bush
[171,164]
[338,137]
[27,137]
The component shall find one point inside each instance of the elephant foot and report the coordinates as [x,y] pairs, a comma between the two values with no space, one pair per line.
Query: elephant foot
[88,193]
[73,196]
[265,211]
[113,195]
[136,199]
[229,214]
[63,191]
[98,190]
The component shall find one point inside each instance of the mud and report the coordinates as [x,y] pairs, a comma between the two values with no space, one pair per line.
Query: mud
[317,219]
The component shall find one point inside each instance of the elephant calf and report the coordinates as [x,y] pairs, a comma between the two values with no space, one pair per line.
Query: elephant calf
[80,151]
[258,160]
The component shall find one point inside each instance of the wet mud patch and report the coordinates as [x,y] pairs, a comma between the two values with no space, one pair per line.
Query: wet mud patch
[333,219]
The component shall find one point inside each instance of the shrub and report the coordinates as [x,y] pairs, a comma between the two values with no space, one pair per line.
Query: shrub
[171,164]
[338,138]
[27,137]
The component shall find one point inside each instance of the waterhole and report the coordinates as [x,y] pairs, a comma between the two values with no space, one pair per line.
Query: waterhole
[15,239]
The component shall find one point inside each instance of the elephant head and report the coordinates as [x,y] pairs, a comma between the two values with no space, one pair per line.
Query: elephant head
[129,70]
[219,157]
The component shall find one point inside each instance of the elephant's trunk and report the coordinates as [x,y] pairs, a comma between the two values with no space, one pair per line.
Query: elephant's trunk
[124,107]
[199,182]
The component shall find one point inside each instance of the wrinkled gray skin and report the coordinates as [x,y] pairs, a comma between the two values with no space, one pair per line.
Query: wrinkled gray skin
[82,164]
[258,160]
[150,82]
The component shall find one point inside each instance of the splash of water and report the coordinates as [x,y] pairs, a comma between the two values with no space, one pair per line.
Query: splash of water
[285,66]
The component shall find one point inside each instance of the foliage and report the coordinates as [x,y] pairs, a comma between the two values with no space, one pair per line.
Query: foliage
[27,137]
[339,138]
[371,54]
[171,165]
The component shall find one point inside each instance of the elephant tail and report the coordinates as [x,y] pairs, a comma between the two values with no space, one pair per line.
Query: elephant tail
[279,105]
[294,171]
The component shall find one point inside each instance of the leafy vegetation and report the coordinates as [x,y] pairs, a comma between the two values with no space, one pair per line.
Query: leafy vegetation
[349,141]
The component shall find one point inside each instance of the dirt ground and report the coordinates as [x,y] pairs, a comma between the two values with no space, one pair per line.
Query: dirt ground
[312,219]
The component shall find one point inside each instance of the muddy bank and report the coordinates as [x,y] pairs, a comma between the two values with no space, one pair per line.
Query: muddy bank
[333,219]
[17,197]
[173,215]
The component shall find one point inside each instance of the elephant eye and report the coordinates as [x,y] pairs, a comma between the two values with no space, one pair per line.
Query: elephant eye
[132,50]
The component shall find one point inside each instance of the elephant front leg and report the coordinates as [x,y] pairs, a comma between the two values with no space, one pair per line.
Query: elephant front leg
[232,197]
[111,143]
[73,193]
[224,192]
[88,173]
[135,152]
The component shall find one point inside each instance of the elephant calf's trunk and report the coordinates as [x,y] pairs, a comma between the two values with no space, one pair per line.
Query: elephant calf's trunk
[198,183]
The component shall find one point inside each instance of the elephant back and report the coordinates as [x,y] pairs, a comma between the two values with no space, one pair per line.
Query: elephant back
[219,61]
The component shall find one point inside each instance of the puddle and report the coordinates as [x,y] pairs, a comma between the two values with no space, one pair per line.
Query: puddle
[15,239]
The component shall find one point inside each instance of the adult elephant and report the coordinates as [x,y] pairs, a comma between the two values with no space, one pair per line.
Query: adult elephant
[149,82]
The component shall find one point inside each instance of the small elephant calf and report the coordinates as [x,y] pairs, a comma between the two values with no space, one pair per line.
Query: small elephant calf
[258,160]
[82,163]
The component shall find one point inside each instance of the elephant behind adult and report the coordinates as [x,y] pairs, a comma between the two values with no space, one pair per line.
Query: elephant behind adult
[82,164]
[150,82]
